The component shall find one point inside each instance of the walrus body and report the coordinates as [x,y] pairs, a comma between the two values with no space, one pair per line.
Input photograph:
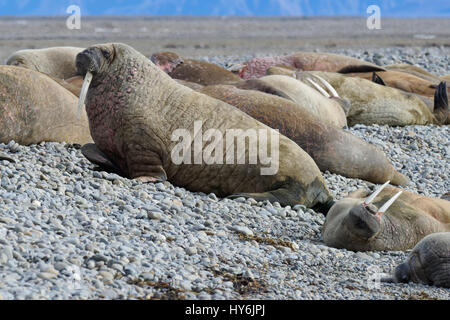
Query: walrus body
[135,109]
[57,62]
[428,263]
[332,149]
[329,110]
[307,61]
[352,225]
[200,72]
[415,71]
[34,108]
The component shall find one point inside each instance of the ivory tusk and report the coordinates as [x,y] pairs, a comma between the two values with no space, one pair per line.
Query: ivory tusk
[377,192]
[386,206]
[319,88]
[328,86]
[83,93]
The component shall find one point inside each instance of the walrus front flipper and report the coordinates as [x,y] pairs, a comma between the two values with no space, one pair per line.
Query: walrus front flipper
[377,79]
[360,69]
[441,110]
[97,157]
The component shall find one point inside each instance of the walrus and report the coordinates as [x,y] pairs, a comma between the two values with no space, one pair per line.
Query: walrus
[428,263]
[402,81]
[446,78]
[306,61]
[34,108]
[191,70]
[378,223]
[331,110]
[332,149]
[138,114]
[371,103]
[58,62]
[415,71]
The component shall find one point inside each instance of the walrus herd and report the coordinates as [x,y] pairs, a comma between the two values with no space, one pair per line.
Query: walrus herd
[266,130]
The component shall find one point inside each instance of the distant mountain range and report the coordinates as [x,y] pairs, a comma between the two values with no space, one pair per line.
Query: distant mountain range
[389,8]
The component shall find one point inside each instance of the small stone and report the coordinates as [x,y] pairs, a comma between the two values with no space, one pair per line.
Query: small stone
[243,230]
[154,215]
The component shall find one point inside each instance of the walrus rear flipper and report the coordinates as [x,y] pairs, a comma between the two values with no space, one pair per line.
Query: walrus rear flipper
[360,69]
[94,155]
[441,110]
[377,79]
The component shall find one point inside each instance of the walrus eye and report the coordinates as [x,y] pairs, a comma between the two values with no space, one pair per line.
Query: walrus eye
[106,54]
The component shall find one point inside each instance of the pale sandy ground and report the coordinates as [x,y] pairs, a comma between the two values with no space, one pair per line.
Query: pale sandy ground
[197,37]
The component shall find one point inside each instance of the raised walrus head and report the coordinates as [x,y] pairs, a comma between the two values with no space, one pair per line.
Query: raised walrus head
[166,61]
[428,263]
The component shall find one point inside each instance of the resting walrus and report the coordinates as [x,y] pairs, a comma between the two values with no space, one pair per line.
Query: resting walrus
[34,108]
[137,114]
[414,70]
[355,223]
[58,62]
[331,110]
[307,61]
[428,263]
[196,71]
[331,148]
[371,103]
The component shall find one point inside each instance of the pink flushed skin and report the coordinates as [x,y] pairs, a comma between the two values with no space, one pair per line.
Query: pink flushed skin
[257,68]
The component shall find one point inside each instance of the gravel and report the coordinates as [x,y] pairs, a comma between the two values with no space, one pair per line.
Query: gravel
[70,232]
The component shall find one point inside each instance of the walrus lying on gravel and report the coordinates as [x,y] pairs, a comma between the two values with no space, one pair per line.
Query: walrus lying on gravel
[34,108]
[137,115]
[428,263]
[371,103]
[360,224]
[331,110]
[196,71]
[57,62]
[331,148]
[307,61]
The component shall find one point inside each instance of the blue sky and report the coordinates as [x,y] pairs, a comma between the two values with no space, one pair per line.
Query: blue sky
[393,8]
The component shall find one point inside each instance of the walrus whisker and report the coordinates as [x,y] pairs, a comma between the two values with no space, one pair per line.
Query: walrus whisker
[83,93]
[386,206]
[377,192]
[319,88]
[328,86]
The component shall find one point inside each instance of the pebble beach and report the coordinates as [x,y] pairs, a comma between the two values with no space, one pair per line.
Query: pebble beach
[68,231]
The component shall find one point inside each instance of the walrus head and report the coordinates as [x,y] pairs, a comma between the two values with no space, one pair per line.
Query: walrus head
[354,222]
[166,61]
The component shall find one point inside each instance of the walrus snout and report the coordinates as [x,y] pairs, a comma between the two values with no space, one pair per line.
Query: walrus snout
[362,221]
[88,60]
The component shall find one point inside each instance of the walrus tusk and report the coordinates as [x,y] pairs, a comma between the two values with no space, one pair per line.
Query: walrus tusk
[386,206]
[83,93]
[328,86]
[373,195]
[319,88]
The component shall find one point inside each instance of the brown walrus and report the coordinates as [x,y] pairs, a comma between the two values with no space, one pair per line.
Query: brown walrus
[414,70]
[402,81]
[58,62]
[137,115]
[360,224]
[428,263]
[332,149]
[371,103]
[196,71]
[330,110]
[306,61]
[34,108]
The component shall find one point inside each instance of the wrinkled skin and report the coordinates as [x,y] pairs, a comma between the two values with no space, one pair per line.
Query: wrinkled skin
[329,110]
[306,61]
[428,263]
[28,116]
[196,71]
[332,149]
[351,225]
[134,108]
[371,103]
[57,62]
